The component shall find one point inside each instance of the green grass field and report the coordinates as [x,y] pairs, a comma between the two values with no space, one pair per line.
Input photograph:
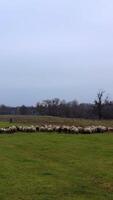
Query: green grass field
[56,167]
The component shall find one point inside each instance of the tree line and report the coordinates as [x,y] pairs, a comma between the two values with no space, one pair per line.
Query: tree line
[102,108]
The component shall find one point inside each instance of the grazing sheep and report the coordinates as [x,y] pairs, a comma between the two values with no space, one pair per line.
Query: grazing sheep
[88,130]
[50,129]
[42,129]
[74,130]
[101,129]
[2,130]
[37,128]
[80,129]
[65,129]
[110,129]
[56,128]
[13,129]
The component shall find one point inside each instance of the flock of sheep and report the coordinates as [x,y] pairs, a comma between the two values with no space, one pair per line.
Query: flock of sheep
[57,129]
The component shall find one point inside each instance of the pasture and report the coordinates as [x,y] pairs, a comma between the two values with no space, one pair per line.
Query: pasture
[43,166]
[40,120]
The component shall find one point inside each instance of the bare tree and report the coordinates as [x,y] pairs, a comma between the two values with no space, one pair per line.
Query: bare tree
[99,103]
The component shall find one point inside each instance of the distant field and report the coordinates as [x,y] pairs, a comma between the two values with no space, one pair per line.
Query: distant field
[27,120]
[56,167]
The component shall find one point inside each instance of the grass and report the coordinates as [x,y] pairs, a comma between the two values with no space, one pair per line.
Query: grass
[39,120]
[6,124]
[59,167]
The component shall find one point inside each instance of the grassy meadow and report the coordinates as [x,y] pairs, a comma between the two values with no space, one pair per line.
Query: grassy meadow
[43,166]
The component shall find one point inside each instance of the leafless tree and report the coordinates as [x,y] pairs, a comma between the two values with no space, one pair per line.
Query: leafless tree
[99,103]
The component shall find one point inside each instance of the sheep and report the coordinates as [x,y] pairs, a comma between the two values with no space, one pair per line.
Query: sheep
[30,129]
[37,128]
[110,129]
[13,129]
[2,130]
[87,130]
[19,128]
[33,129]
[42,129]
[101,129]
[50,129]
[94,129]
[65,129]
[80,129]
[56,128]
[73,130]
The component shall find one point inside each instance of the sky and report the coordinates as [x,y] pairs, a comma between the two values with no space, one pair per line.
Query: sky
[60,48]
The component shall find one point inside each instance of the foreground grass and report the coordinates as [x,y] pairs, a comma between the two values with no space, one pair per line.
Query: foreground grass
[59,167]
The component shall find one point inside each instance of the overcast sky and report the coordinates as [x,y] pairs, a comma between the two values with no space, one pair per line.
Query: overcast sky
[55,48]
